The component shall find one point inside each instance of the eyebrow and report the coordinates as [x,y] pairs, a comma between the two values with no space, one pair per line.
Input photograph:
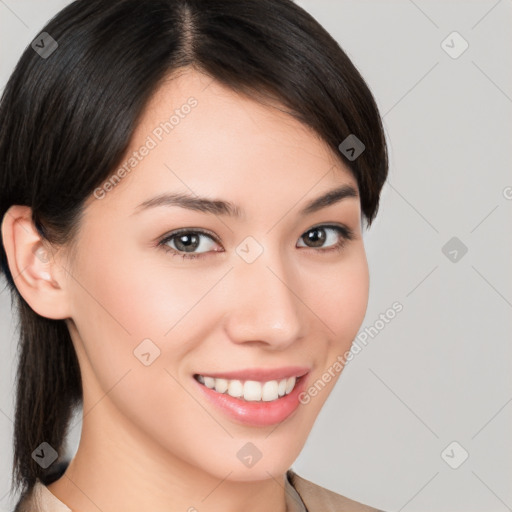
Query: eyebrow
[220,207]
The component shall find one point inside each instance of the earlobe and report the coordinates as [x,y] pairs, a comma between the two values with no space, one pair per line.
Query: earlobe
[35,271]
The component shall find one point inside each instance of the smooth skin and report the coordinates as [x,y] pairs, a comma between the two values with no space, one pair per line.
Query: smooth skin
[150,440]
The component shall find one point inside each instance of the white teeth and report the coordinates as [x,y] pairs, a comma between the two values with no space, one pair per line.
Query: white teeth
[221,385]
[281,387]
[250,390]
[269,391]
[290,383]
[209,382]
[235,388]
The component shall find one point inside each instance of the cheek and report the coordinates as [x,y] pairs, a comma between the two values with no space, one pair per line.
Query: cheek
[120,303]
[343,298]
[343,308]
[116,307]
[135,293]
[125,299]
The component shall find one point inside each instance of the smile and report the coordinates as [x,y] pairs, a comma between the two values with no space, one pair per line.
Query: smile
[250,390]
[255,397]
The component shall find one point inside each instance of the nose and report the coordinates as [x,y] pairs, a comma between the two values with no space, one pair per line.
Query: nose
[265,309]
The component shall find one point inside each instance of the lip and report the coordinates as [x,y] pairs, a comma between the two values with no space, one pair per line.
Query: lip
[260,374]
[257,414]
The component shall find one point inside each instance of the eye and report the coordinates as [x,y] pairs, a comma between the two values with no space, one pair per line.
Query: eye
[186,241]
[335,236]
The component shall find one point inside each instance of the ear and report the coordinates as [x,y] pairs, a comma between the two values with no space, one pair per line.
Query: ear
[38,276]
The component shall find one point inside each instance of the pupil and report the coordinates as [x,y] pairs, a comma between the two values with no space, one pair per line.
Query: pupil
[190,241]
[317,236]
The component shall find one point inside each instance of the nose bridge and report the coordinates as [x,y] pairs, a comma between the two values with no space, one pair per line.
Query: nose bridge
[265,307]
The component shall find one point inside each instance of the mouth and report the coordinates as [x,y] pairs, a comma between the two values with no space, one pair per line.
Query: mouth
[250,390]
[255,397]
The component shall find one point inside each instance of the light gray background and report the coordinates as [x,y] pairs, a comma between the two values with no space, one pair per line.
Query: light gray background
[440,371]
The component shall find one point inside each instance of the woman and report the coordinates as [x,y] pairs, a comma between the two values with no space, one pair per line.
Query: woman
[184,184]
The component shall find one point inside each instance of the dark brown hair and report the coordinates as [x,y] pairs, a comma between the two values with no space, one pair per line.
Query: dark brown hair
[67,120]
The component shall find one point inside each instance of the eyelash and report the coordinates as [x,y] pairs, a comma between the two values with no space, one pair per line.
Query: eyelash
[346,235]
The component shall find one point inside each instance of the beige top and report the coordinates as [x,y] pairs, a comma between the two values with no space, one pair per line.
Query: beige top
[301,496]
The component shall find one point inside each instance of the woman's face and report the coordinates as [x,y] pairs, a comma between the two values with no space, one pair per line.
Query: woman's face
[264,296]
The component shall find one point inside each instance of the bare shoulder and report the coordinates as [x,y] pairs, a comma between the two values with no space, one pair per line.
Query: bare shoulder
[320,499]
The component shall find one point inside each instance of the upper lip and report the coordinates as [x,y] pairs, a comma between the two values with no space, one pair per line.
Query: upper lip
[260,374]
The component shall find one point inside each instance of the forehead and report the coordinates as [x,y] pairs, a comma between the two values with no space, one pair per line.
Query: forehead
[198,136]
[230,120]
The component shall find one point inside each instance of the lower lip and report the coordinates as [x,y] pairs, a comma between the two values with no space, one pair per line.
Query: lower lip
[259,414]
